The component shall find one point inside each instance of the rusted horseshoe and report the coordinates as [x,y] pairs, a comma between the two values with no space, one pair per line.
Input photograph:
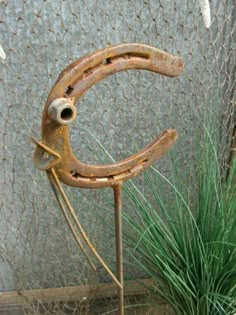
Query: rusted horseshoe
[54,154]
[55,149]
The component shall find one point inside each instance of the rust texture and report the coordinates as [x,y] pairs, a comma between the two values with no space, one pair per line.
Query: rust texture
[55,149]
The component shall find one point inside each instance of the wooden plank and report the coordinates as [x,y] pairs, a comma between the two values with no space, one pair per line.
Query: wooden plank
[72,293]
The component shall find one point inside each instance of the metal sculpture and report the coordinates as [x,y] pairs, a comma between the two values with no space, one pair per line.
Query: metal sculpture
[54,154]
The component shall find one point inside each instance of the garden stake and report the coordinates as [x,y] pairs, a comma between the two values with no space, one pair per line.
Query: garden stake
[54,154]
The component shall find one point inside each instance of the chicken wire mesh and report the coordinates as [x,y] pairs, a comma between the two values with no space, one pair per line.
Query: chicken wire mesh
[123,112]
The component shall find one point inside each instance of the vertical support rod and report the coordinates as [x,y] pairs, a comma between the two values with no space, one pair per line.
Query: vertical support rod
[119,250]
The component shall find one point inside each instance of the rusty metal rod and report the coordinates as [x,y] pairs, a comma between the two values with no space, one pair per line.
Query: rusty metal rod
[80,228]
[60,202]
[119,248]
[54,154]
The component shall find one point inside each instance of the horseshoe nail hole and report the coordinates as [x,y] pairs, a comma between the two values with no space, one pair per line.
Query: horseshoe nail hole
[67,114]
[88,71]
[69,90]
[74,174]
[107,61]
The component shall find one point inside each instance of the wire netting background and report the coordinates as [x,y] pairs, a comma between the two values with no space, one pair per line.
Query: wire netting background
[124,112]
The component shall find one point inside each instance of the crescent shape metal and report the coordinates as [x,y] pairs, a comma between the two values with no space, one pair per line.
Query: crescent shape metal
[60,108]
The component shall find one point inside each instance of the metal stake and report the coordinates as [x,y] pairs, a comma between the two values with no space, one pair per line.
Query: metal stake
[55,156]
[119,248]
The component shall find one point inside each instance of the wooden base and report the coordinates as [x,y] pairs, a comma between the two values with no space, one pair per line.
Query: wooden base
[73,293]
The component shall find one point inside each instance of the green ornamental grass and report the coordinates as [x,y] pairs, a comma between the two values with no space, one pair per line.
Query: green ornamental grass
[186,242]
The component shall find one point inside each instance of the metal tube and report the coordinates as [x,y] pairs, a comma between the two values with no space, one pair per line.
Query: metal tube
[62,110]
